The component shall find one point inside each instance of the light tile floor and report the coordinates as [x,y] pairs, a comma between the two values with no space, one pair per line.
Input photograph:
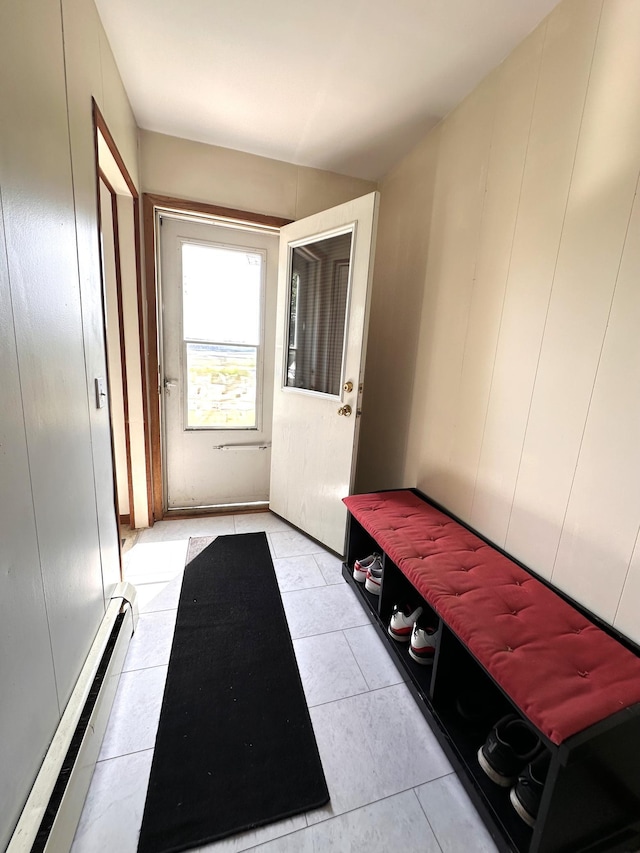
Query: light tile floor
[391,786]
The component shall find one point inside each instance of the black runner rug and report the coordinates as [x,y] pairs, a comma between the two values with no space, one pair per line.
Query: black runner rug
[235,748]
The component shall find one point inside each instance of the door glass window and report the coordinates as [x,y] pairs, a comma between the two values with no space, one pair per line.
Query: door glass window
[222,320]
[317,314]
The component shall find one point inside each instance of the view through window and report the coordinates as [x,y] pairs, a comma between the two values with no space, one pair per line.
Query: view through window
[222,301]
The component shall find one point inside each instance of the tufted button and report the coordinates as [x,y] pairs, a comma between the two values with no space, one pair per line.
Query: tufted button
[583,673]
[508,649]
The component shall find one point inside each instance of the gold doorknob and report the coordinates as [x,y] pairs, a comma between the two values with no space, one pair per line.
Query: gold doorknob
[348,387]
[345,410]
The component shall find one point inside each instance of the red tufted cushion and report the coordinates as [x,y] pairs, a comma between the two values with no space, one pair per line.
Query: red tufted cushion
[561,670]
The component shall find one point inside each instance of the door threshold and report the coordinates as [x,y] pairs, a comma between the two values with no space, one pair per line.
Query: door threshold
[216,509]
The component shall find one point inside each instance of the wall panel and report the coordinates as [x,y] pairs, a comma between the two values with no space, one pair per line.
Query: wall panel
[543,275]
[459,197]
[57,565]
[603,516]
[43,272]
[84,79]
[394,326]
[562,85]
[515,92]
[26,662]
[602,189]
[626,618]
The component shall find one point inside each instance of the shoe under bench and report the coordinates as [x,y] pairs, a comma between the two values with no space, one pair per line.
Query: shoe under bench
[509,643]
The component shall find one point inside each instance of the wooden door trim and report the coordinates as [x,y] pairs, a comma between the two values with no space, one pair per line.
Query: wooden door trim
[123,345]
[151,202]
[100,124]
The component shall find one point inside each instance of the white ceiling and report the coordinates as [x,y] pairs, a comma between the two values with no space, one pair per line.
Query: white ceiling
[345,85]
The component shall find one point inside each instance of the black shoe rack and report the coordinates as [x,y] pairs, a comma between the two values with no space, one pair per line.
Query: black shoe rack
[591,797]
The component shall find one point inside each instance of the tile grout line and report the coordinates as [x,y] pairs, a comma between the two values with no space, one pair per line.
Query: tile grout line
[125,754]
[411,788]
[143,668]
[426,816]
[362,693]
[364,677]
[333,631]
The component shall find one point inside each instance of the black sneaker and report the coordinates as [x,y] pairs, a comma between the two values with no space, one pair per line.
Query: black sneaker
[510,745]
[527,792]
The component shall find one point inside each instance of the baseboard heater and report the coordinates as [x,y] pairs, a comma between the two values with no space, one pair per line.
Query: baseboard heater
[49,819]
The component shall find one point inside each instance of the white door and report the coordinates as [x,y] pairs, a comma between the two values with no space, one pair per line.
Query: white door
[324,276]
[217,289]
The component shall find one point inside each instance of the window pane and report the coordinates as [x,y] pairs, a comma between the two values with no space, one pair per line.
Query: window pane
[221,294]
[317,314]
[221,389]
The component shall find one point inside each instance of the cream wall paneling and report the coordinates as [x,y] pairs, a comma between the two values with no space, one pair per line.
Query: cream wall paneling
[43,273]
[84,79]
[60,552]
[26,660]
[460,191]
[519,417]
[603,184]
[41,247]
[394,325]
[599,535]
[514,93]
[561,89]
[626,619]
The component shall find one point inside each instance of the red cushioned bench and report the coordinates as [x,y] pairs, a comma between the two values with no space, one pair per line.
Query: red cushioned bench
[561,671]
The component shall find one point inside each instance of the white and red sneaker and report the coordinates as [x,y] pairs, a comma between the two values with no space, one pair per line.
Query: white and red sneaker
[360,567]
[373,581]
[402,621]
[423,644]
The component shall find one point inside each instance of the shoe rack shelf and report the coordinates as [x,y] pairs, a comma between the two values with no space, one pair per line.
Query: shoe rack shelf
[586,790]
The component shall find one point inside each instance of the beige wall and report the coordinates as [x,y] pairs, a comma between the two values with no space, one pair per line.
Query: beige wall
[525,409]
[59,554]
[206,173]
[394,325]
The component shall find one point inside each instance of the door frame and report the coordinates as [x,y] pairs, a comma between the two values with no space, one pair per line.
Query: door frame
[151,204]
[101,131]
